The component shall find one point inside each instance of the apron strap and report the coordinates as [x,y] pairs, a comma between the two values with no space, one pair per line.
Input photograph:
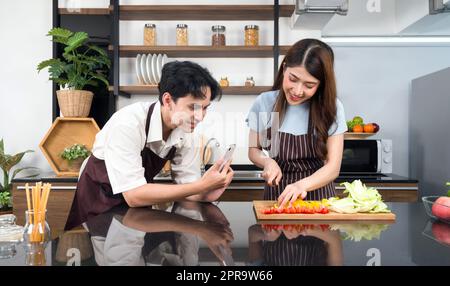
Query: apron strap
[147,123]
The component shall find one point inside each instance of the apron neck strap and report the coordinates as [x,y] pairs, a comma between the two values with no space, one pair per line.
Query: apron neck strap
[147,123]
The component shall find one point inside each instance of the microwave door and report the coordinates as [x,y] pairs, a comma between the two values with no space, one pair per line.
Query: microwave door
[360,156]
[379,156]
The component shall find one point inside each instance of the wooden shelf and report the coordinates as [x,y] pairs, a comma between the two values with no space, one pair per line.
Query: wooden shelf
[233,90]
[202,12]
[130,51]
[65,132]
[84,11]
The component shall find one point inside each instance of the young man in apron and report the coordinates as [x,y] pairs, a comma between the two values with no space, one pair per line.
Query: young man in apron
[139,139]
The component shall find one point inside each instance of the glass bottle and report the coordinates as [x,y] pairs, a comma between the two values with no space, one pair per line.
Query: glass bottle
[218,36]
[251,36]
[250,82]
[224,81]
[150,35]
[36,230]
[182,35]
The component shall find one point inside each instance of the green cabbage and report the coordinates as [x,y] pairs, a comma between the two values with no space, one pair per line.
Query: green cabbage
[360,199]
[358,232]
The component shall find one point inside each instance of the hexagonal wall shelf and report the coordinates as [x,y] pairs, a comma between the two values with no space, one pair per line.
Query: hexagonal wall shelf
[65,132]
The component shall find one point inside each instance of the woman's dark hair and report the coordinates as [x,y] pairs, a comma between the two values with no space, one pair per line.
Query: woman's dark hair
[186,78]
[317,58]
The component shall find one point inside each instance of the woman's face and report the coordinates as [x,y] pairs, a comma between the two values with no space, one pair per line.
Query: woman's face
[299,85]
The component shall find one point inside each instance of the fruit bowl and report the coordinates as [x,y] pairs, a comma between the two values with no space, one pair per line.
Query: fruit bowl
[436,210]
[438,231]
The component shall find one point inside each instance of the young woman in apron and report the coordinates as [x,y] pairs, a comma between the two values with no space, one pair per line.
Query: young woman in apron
[300,123]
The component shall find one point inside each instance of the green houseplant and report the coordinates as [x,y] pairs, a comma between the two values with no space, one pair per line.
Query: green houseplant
[75,155]
[82,64]
[7,163]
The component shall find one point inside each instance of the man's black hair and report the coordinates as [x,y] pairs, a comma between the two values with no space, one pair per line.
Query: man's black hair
[186,78]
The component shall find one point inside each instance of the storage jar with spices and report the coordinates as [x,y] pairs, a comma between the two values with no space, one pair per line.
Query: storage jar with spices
[150,35]
[182,35]
[251,36]
[218,35]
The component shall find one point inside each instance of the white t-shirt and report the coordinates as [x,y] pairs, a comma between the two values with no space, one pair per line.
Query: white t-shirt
[122,139]
[296,118]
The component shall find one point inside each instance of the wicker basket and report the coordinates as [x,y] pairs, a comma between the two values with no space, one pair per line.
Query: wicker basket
[74,103]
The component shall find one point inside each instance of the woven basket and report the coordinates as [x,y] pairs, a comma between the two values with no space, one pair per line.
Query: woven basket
[74,103]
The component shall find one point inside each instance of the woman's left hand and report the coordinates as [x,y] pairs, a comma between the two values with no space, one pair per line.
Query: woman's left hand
[291,193]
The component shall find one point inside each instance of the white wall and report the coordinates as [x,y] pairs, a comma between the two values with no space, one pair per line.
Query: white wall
[25,95]
[372,81]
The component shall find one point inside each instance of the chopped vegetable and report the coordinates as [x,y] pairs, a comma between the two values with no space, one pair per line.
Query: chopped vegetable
[358,232]
[360,199]
[300,207]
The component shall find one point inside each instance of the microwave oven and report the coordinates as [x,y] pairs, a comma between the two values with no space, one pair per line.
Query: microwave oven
[367,156]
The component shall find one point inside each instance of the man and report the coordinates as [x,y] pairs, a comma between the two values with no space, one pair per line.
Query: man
[136,142]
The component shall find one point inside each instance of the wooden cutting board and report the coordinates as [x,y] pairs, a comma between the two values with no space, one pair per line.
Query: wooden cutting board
[259,206]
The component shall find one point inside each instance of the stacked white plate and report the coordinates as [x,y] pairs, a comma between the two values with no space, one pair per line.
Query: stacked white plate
[149,68]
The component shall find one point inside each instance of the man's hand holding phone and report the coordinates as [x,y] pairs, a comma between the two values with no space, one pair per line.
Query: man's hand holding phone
[219,176]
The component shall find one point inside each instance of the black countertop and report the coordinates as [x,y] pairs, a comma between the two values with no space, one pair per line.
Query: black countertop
[197,234]
[365,178]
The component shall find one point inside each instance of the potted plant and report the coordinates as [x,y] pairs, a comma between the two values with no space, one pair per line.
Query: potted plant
[75,156]
[7,163]
[81,65]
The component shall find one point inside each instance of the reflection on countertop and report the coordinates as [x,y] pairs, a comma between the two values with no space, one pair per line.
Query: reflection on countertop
[191,233]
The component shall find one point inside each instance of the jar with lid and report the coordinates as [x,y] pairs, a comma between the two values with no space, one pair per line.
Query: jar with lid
[150,35]
[182,35]
[224,81]
[250,81]
[251,37]
[218,35]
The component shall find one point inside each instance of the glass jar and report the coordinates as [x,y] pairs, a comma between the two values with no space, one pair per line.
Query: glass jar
[251,37]
[36,228]
[218,35]
[182,35]
[35,254]
[224,81]
[150,35]
[250,82]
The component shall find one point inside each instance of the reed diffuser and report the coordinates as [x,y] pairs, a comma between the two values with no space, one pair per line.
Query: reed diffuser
[36,228]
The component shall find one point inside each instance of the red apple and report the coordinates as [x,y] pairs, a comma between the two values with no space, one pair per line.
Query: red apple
[441,232]
[376,127]
[441,208]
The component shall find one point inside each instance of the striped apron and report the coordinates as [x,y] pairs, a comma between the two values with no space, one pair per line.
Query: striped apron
[300,251]
[297,159]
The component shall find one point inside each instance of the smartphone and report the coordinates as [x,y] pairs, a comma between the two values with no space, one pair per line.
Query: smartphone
[228,156]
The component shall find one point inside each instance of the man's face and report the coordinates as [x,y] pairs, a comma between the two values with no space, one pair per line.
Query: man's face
[188,111]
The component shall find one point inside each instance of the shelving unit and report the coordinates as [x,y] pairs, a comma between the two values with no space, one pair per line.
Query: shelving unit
[117,13]
[203,12]
[131,51]
[153,90]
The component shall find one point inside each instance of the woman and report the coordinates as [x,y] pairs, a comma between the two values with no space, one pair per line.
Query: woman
[305,153]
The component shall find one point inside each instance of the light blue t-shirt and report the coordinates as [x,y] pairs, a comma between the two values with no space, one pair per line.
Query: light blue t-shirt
[296,118]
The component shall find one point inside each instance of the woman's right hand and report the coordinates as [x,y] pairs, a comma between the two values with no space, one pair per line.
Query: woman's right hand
[272,172]
[214,179]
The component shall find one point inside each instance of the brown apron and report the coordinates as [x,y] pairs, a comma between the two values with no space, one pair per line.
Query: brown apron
[94,192]
[297,159]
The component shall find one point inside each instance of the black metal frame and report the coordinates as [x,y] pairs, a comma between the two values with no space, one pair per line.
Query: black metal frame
[276,46]
[56,23]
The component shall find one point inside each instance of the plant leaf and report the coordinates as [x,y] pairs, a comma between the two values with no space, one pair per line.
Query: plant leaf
[14,160]
[47,63]
[98,50]
[75,41]
[17,171]
[101,78]
[60,35]
[60,32]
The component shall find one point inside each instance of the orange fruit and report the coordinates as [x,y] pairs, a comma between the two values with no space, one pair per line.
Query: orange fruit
[358,128]
[369,128]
